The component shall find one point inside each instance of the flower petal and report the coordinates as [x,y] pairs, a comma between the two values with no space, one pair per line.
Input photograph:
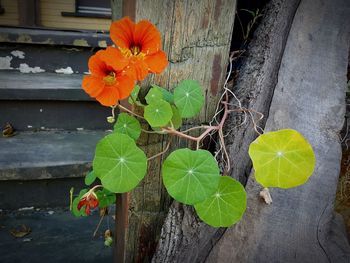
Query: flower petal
[125,86]
[156,62]
[81,203]
[147,36]
[113,58]
[96,65]
[93,85]
[137,69]
[122,32]
[109,96]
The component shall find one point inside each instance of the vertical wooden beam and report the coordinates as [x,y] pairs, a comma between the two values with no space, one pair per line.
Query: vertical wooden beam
[196,36]
[121,8]
[29,12]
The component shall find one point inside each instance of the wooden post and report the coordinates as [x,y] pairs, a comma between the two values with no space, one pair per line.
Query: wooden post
[196,36]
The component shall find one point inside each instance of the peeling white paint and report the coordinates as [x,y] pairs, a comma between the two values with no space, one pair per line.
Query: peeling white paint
[5,62]
[24,68]
[67,70]
[18,54]
[80,129]
[87,72]
[29,126]
[102,43]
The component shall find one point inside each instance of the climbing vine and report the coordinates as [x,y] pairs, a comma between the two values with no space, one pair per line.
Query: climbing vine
[281,158]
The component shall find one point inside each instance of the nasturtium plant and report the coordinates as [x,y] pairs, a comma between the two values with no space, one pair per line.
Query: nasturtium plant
[133,98]
[176,120]
[119,163]
[167,95]
[226,206]
[105,198]
[75,203]
[90,178]
[158,113]
[128,125]
[190,176]
[153,94]
[188,98]
[282,159]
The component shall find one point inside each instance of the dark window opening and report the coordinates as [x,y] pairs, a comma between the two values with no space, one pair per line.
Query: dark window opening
[2,10]
[91,8]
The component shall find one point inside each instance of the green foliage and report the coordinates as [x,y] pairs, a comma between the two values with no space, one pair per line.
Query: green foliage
[226,206]
[76,200]
[158,113]
[128,125]
[90,178]
[282,159]
[119,163]
[133,99]
[167,95]
[153,94]
[190,176]
[105,198]
[176,120]
[188,98]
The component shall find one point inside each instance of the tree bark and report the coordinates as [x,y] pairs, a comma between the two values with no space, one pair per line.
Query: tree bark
[300,225]
[196,36]
[184,237]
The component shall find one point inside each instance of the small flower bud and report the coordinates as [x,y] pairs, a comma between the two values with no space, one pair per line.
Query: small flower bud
[110,119]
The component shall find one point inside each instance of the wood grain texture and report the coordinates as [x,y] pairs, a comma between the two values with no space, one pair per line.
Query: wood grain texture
[196,36]
[184,237]
[300,225]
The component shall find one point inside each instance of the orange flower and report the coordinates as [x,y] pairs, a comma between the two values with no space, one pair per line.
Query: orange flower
[108,82]
[141,44]
[90,201]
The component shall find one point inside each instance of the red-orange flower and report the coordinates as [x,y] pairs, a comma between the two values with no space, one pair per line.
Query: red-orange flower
[141,44]
[108,82]
[90,201]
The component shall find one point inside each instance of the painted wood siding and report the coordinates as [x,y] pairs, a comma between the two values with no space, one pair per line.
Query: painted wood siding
[10,17]
[51,16]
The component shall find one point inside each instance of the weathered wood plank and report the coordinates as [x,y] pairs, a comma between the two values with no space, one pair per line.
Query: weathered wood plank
[299,226]
[184,238]
[197,36]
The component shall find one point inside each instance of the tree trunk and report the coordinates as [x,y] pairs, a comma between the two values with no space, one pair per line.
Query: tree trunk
[300,225]
[184,237]
[196,36]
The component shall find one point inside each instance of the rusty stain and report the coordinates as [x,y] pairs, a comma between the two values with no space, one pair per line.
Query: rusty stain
[217,10]
[216,74]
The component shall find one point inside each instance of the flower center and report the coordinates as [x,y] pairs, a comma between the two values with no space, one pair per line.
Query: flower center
[110,79]
[135,50]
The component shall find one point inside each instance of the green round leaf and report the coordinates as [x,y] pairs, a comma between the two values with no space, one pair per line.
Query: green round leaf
[282,159]
[90,178]
[190,176]
[119,163]
[105,198]
[153,94]
[75,202]
[133,98]
[158,113]
[176,119]
[226,206]
[128,125]
[188,98]
[167,95]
